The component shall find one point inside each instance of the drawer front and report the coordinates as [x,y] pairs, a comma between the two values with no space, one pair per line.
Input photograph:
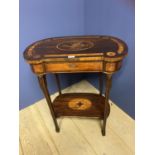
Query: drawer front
[74,67]
[64,67]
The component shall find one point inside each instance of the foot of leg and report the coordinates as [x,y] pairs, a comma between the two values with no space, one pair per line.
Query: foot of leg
[103,132]
[57,129]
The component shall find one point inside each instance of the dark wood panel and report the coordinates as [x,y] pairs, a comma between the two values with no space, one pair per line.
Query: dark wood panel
[80,104]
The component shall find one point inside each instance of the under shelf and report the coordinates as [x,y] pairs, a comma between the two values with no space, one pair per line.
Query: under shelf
[80,104]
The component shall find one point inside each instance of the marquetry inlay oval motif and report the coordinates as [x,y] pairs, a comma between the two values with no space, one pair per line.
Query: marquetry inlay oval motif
[79,104]
[75,45]
[111,53]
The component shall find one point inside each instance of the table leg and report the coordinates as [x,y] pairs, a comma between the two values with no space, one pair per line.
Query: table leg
[107,92]
[58,83]
[100,83]
[43,86]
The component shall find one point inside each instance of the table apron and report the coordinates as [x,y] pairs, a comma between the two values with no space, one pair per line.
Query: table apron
[74,67]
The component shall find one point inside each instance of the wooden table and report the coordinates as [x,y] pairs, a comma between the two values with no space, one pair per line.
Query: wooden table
[102,54]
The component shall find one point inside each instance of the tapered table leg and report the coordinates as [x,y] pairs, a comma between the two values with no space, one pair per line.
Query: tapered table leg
[43,86]
[58,83]
[100,83]
[107,92]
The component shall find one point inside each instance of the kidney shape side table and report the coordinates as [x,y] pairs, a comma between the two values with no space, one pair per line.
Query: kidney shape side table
[77,54]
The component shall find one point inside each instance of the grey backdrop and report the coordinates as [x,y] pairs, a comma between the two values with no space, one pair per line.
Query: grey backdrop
[49,18]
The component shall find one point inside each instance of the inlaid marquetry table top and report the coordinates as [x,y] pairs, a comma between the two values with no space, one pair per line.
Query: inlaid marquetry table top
[90,49]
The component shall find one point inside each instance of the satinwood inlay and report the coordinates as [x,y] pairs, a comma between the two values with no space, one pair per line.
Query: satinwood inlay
[75,45]
[79,104]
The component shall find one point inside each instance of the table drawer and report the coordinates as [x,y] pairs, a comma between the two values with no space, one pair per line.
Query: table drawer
[73,66]
[64,67]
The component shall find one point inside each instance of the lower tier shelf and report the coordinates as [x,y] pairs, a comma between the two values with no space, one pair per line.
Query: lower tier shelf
[80,104]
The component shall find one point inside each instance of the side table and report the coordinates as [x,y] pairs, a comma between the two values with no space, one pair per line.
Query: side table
[77,54]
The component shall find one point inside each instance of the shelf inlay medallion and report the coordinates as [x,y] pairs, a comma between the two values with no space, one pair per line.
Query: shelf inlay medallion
[79,104]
